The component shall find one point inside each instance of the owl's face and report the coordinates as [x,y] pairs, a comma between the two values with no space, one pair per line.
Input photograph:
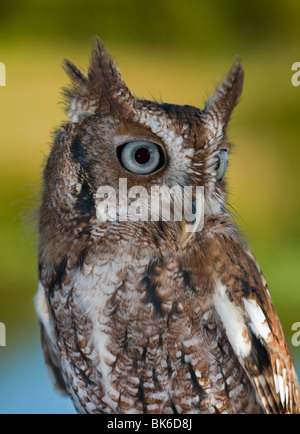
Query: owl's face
[113,136]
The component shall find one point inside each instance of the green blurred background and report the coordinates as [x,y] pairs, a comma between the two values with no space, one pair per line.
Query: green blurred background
[172,50]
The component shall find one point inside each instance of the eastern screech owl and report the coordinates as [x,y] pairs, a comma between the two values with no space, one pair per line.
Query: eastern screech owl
[143,317]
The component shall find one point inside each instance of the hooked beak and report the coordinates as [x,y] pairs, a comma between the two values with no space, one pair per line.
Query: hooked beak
[189,229]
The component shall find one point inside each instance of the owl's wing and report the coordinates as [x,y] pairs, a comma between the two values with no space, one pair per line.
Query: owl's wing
[48,349]
[52,363]
[244,306]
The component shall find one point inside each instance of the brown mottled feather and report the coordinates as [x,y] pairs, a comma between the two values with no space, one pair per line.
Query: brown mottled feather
[243,279]
[52,363]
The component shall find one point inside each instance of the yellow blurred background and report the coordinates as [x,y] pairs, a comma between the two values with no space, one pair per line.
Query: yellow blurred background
[171,50]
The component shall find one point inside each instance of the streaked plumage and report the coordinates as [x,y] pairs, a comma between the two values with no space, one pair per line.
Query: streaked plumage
[137,317]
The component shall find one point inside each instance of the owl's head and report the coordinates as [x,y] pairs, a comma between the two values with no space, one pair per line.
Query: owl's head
[111,136]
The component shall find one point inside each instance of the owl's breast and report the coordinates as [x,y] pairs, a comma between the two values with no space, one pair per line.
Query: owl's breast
[140,336]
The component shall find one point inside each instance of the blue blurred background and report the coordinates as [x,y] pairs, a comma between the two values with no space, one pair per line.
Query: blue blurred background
[175,51]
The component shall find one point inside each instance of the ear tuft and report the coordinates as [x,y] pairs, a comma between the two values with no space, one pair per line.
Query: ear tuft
[227,95]
[76,76]
[102,64]
[102,90]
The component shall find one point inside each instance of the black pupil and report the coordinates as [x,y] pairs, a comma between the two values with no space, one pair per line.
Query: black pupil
[142,156]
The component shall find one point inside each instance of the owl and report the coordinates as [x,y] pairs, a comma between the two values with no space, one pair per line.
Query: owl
[151,317]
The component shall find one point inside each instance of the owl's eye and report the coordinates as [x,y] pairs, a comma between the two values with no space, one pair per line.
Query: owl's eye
[222,165]
[141,158]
